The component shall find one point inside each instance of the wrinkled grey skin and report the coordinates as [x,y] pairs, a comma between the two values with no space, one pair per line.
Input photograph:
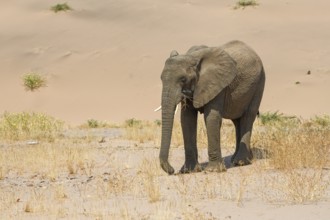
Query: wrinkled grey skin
[221,82]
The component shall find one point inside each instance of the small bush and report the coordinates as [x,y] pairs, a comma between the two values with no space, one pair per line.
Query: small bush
[34,81]
[158,122]
[149,169]
[245,3]
[323,121]
[132,123]
[92,123]
[291,143]
[142,131]
[275,117]
[61,7]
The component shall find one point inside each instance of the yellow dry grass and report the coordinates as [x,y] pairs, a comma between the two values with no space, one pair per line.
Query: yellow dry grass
[80,176]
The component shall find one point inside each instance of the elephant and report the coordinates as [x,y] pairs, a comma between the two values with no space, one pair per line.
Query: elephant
[219,82]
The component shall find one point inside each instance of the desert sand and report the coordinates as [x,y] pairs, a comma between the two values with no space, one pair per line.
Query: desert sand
[103,60]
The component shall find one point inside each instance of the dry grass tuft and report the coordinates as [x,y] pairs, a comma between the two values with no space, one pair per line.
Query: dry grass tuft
[2,169]
[47,160]
[292,144]
[149,170]
[119,184]
[60,193]
[301,186]
[29,126]
[142,131]
[299,151]
[298,186]
[146,131]
[77,160]
[36,202]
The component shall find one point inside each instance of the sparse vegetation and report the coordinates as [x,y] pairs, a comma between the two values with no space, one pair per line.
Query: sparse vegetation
[271,118]
[142,131]
[292,167]
[132,122]
[61,7]
[300,186]
[151,182]
[92,123]
[245,3]
[34,81]
[29,126]
[323,121]
[294,146]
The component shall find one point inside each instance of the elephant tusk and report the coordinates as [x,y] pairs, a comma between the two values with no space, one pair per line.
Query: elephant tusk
[157,109]
[176,109]
[160,108]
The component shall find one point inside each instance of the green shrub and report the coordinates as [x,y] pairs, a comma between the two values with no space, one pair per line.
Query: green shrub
[245,3]
[33,81]
[92,123]
[61,7]
[132,122]
[158,122]
[275,117]
[323,121]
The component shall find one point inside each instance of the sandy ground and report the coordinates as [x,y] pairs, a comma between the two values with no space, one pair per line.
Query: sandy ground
[103,59]
[121,179]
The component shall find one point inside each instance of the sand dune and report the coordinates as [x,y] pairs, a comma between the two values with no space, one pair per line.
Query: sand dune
[103,59]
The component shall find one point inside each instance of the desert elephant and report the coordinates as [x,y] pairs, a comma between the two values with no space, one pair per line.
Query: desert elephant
[220,82]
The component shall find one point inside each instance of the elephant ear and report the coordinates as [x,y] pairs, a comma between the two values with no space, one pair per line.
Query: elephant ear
[174,53]
[216,70]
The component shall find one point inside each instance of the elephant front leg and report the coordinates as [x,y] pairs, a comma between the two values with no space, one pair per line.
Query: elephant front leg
[189,130]
[213,124]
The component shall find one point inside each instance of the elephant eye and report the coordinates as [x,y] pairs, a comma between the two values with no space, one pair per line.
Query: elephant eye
[183,79]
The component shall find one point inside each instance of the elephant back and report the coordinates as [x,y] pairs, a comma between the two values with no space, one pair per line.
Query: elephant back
[247,60]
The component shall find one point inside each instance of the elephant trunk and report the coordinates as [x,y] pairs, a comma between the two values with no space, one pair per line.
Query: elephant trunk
[169,102]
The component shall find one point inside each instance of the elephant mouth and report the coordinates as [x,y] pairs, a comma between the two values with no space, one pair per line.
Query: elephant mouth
[187,93]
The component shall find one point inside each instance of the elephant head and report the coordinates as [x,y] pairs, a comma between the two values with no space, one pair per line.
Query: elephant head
[199,75]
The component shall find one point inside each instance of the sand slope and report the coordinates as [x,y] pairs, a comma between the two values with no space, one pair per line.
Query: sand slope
[103,60]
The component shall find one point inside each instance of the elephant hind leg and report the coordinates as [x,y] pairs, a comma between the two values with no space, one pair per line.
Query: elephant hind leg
[243,153]
[238,135]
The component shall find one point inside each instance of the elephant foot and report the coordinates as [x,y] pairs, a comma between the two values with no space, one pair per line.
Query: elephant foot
[166,167]
[240,160]
[215,166]
[191,168]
